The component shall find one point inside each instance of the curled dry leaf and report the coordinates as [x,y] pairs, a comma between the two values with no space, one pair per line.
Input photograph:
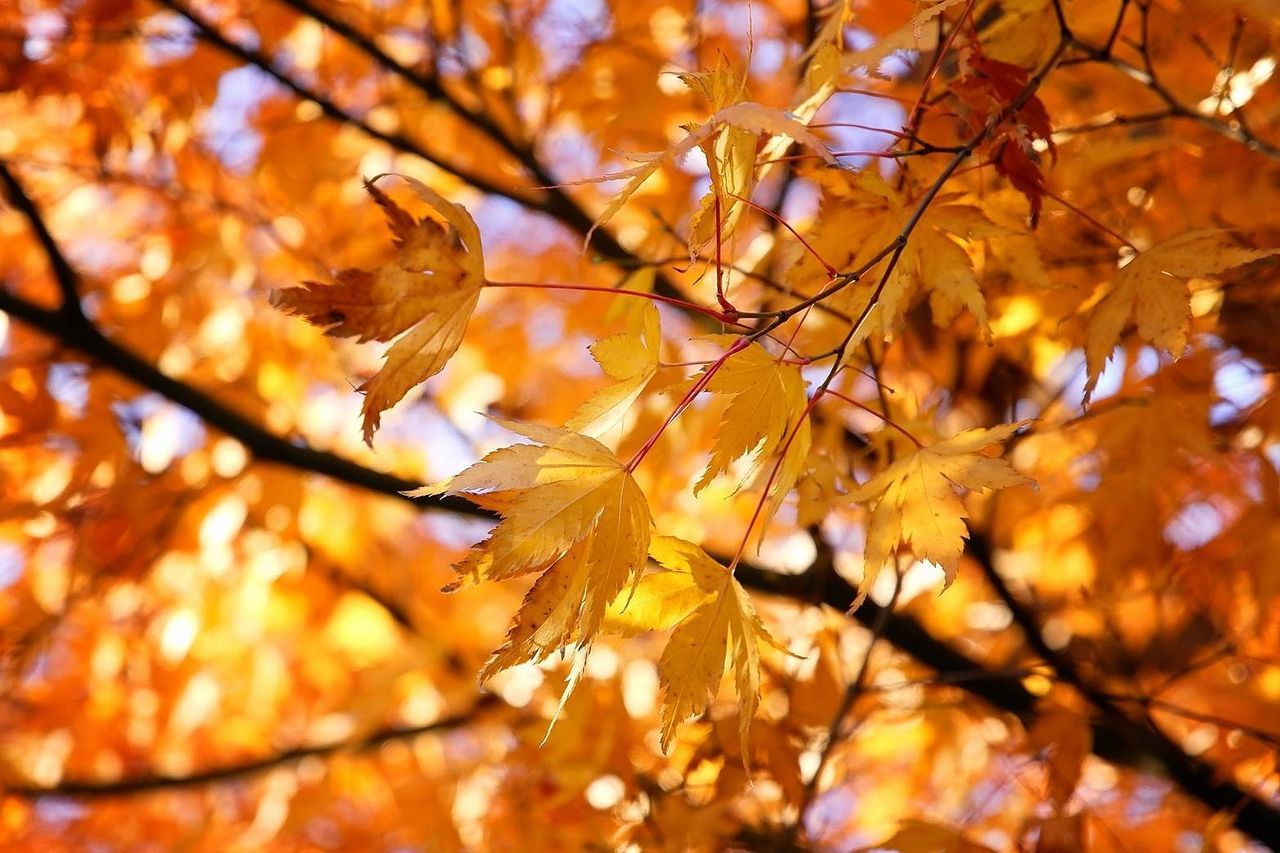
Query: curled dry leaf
[427,293]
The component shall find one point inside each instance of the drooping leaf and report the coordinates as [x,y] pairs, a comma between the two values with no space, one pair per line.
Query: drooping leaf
[427,294]
[1151,290]
[915,505]
[724,626]
[993,90]
[571,509]
[767,404]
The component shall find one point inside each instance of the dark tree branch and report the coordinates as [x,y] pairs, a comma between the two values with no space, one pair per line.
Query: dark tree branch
[1147,78]
[331,110]
[65,277]
[428,85]
[244,772]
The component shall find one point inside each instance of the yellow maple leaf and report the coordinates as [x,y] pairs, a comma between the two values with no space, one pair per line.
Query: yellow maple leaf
[662,598]
[427,294]
[631,360]
[731,161]
[915,504]
[569,507]
[731,153]
[767,400]
[722,626]
[1152,291]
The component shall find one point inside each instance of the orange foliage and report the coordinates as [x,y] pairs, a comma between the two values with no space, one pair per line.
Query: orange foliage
[895,407]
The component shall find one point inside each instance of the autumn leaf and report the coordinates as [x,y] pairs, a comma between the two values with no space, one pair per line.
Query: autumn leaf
[767,402]
[723,626]
[427,294]
[865,213]
[665,596]
[630,359]
[1151,290]
[751,118]
[569,508]
[915,505]
[991,87]
[1063,738]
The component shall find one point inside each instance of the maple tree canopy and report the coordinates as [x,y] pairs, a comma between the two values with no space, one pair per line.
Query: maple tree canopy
[583,424]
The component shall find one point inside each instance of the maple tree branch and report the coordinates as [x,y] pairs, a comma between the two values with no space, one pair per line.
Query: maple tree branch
[262,444]
[894,249]
[85,788]
[852,691]
[1116,739]
[207,31]
[1147,78]
[429,85]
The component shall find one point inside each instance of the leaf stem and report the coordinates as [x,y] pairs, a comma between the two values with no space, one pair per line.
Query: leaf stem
[883,417]
[698,386]
[621,291]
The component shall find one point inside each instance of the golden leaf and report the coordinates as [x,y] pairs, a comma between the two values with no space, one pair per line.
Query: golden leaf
[1152,291]
[631,360]
[915,502]
[724,626]
[767,401]
[571,508]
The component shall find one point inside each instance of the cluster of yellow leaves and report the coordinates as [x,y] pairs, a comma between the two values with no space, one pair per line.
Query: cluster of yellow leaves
[573,512]
[429,290]
[713,619]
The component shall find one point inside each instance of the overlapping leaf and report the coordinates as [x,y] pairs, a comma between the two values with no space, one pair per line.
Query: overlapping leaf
[427,294]
[767,403]
[749,118]
[722,625]
[915,505]
[1152,291]
[631,360]
[866,214]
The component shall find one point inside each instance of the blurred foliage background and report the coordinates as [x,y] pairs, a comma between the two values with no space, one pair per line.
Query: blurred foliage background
[222,627]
